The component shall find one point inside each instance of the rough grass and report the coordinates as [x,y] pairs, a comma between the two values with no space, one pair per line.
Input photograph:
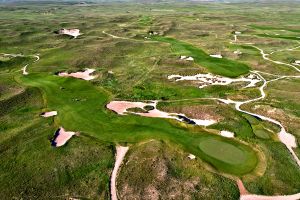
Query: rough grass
[222,66]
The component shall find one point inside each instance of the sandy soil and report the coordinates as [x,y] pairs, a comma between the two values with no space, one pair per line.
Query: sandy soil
[191,156]
[121,152]
[85,75]
[227,134]
[216,56]
[209,79]
[24,69]
[62,136]
[188,58]
[120,107]
[49,114]
[72,32]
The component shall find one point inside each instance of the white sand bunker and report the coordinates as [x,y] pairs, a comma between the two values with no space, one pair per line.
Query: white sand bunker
[121,152]
[297,62]
[24,70]
[121,107]
[49,114]
[237,52]
[72,32]
[227,134]
[187,58]
[85,75]
[216,55]
[209,79]
[191,156]
[61,137]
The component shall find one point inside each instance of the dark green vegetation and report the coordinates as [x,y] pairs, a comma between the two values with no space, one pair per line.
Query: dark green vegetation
[136,68]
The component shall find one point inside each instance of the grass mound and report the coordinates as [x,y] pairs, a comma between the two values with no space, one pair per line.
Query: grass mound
[218,66]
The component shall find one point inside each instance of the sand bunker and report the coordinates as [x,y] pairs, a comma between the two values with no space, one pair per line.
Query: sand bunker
[61,137]
[297,62]
[85,75]
[216,55]
[237,52]
[49,114]
[187,58]
[24,70]
[72,32]
[209,79]
[245,195]
[227,134]
[121,152]
[121,107]
[191,156]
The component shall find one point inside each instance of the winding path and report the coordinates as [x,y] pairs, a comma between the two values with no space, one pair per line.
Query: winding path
[121,152]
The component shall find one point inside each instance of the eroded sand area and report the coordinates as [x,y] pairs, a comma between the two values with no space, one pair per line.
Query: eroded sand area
[205,80]
[85,75]
[150,110]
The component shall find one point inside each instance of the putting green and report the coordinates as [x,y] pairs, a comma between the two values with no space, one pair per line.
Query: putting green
[223,151]
[81,107]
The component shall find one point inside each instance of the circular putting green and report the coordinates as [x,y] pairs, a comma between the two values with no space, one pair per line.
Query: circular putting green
[228,156]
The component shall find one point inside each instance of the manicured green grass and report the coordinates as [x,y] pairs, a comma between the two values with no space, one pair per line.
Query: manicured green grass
[280,36]
[218,66]
[224,152]
[81,107]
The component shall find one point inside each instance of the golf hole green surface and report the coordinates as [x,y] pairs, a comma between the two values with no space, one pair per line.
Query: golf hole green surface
[223,151]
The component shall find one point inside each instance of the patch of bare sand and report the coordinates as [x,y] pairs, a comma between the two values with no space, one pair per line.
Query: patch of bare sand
[61,137]
[49,114]
[121,107]
[151,193]
[72,32]
[121,152]
[85,75]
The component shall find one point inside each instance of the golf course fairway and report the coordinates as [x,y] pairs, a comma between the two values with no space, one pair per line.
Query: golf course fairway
[81,107]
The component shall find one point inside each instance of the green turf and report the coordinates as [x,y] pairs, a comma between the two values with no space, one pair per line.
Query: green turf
[218,66]
[224,152]
[82,107]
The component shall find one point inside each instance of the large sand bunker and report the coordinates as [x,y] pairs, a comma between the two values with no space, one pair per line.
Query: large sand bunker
[85,75]
[121,152]
[61,137]
[72,32]
[205,80]
[121,107]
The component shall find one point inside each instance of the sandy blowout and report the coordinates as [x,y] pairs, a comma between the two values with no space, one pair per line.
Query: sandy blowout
[205,80]
[120,107]
[72,32]
[121,152]
[85,75]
